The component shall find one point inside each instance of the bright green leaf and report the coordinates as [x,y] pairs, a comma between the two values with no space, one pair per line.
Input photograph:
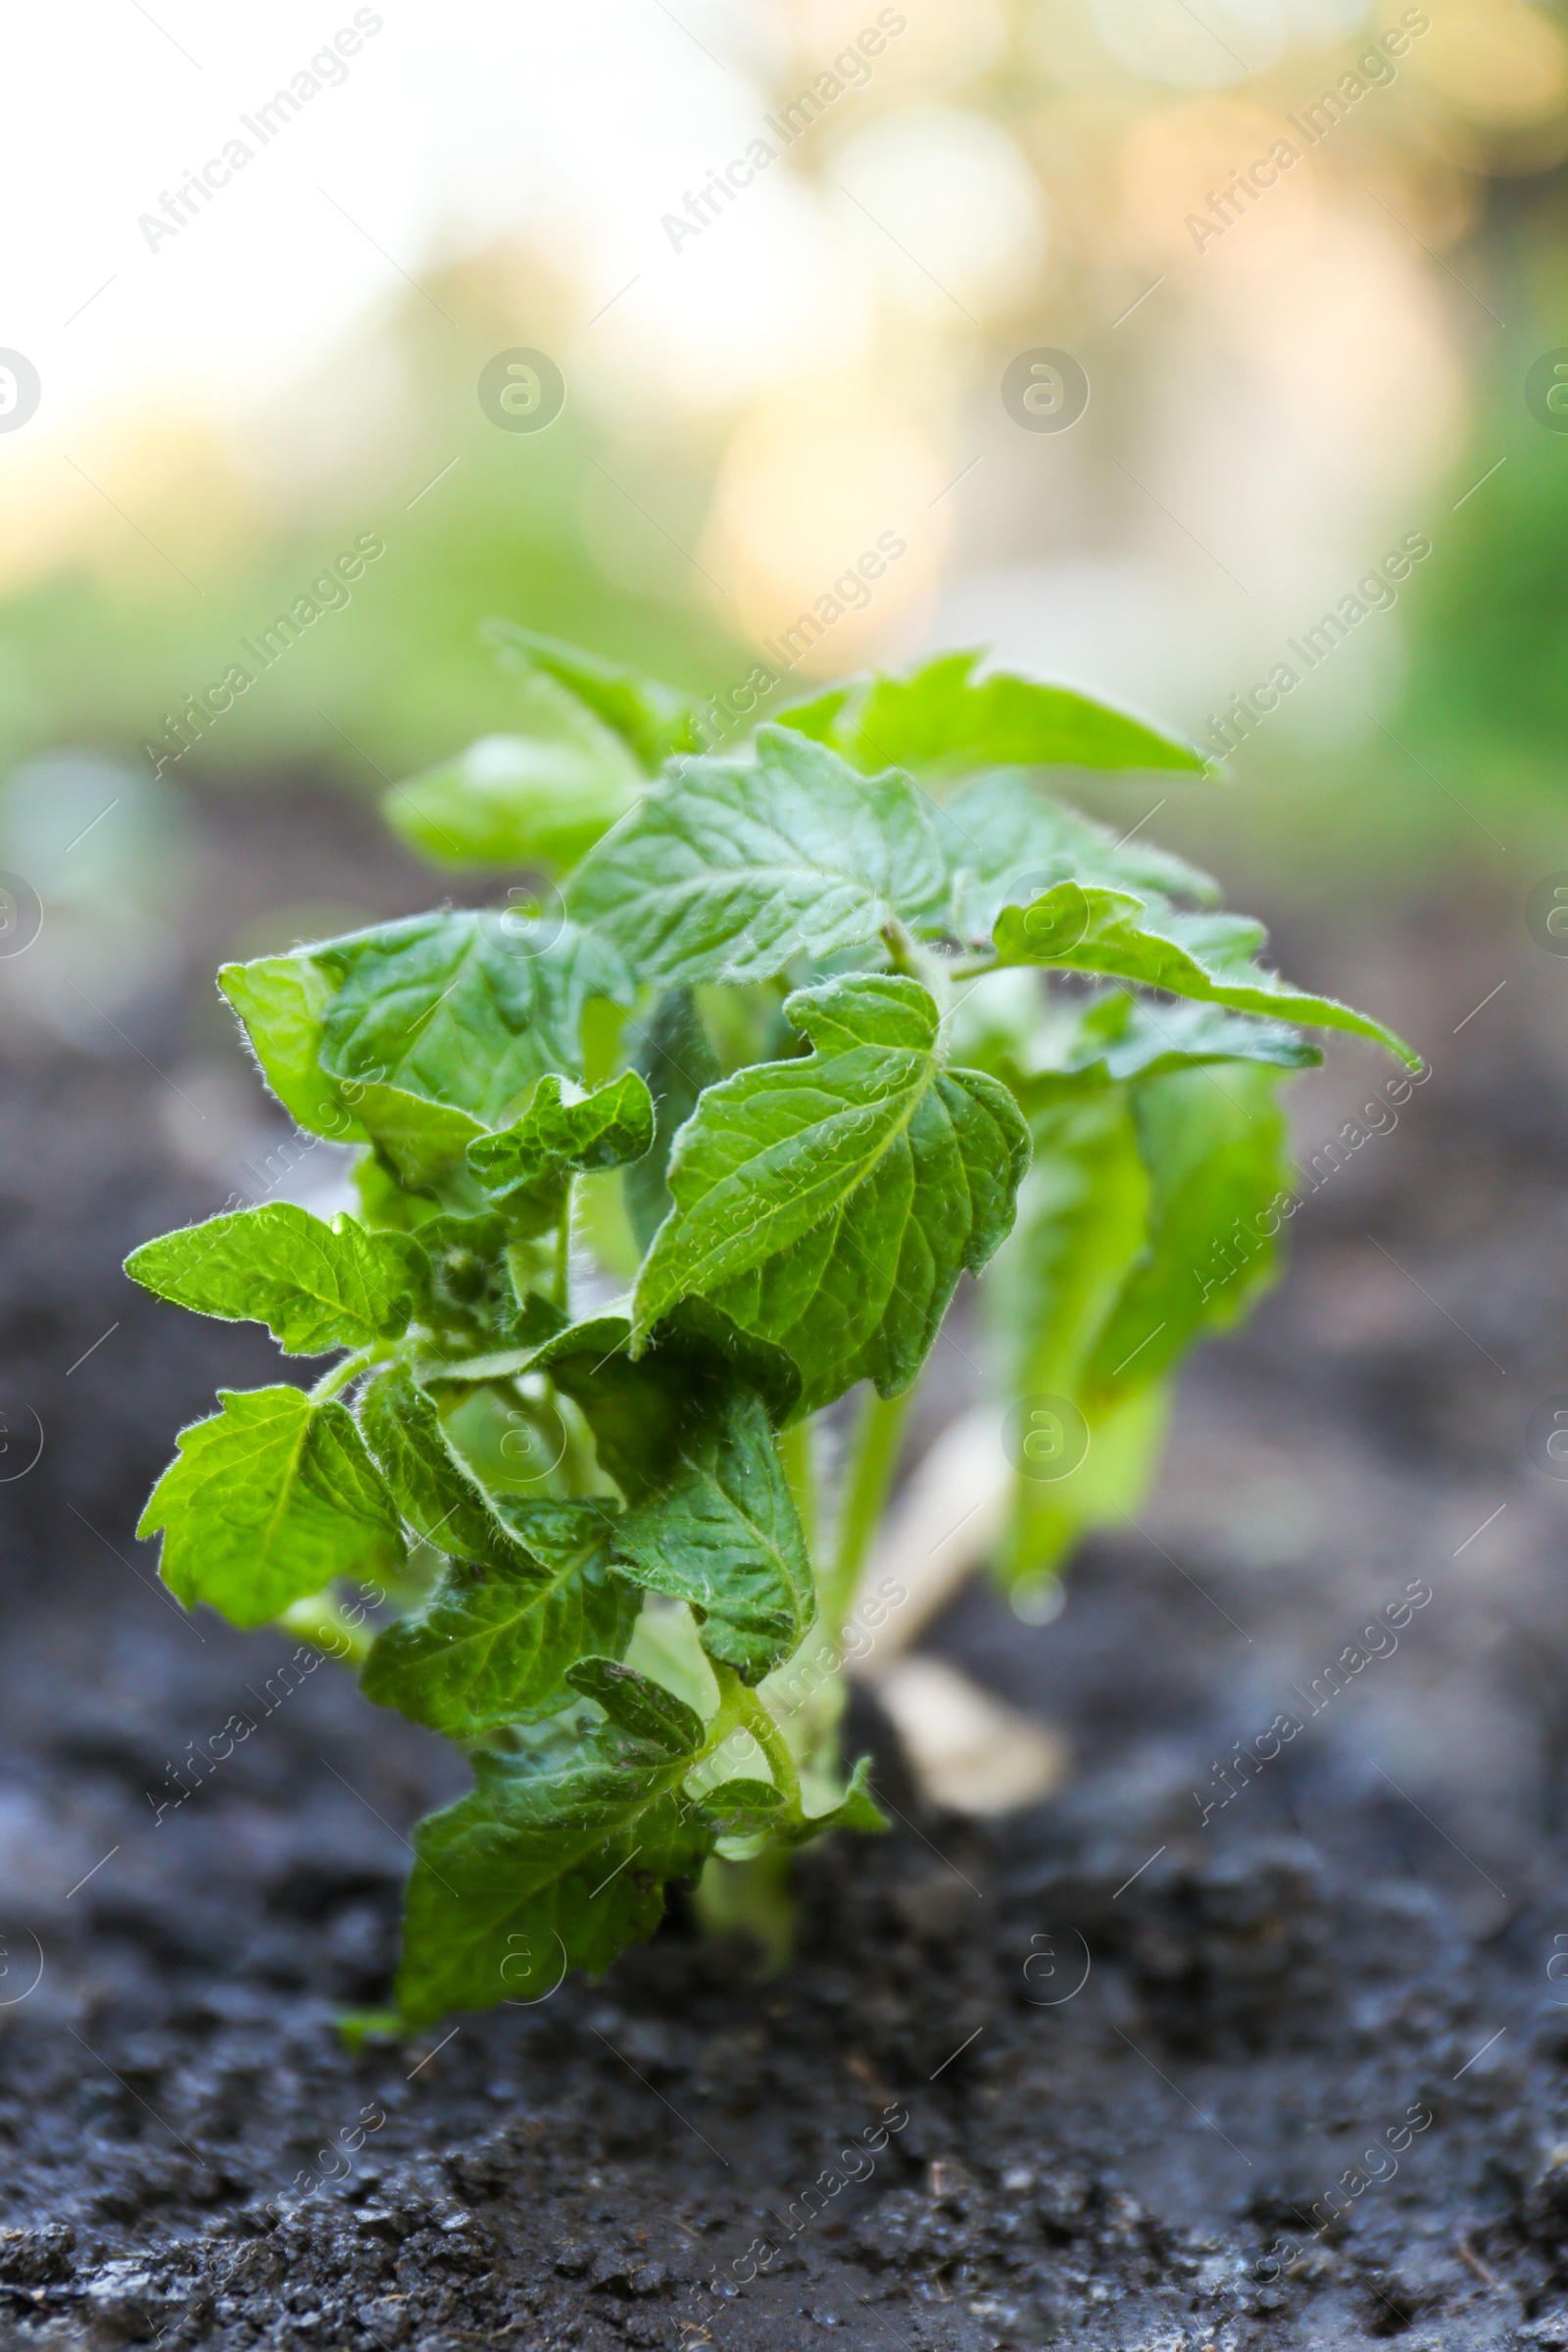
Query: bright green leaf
[527,1168]
[1214,1142]
[941,721]
[1006,843]
[267,1501]
[656,721]
[315,1285]
[1208,956]
[514,800]
[732,872]
[431,1031]
[856,1810]
[722,1535]
[828,1205]
[1128,1037]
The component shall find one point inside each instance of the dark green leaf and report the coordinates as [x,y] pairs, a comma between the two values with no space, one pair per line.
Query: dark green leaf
[527,1168]
[315,1285]
[731,872]
[437,1493]
[267,1501]
[941,721]
[553,1862]
[498,1644]
[738,1807]
[642,1707]
[675,1058]
[828,1205]
[1208,956]
[656,721]
[722,1535]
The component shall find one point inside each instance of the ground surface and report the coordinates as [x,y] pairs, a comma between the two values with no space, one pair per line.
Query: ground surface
[1113,2074]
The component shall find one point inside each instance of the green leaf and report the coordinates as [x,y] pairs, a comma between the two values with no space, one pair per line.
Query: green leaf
[676,1059]
[722,1535]
[731,872]
[437,1493]
[1127,1037]
[856,1810]
[1214,1142]
[740,1808]
[642,1707]
[1082,1226]
[1005,844]
[941,721]
[640,1413]
[1208,956]
[267,1501]
[828,1205]
[553,1861]
[282,1002]
[431,1031]
[499,1644]
[656,721]
[527,1168]
[514,800]
[315,1285]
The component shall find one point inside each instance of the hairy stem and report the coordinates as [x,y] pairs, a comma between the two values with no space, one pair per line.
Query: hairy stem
[741,1709]
[563,1254]
[867,1476]
[341,1375]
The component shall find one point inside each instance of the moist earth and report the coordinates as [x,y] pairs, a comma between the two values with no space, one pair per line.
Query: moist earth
[1244,2038]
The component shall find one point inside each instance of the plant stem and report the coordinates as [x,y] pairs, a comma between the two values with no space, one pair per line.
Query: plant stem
[340,1375]
[741,1709]
[796,1452]
[867,1476]
[564,1253]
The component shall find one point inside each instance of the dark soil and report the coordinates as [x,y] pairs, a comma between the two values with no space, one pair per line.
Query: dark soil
[1312,2090]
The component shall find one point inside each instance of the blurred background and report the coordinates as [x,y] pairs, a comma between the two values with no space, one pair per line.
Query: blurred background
[266,268]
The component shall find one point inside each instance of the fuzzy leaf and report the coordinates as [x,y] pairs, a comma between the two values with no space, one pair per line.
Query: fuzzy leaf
[514,800]
[722,1535]
[676,1059]
[436,1492]
[267,1501]
[498,1644]
[553,1861]
[429,1030]
[527,1168]
[941,721]
[315,1285]
[637,1705]
[1005,844]
[828,1205]
[1208,956]
[731,872]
